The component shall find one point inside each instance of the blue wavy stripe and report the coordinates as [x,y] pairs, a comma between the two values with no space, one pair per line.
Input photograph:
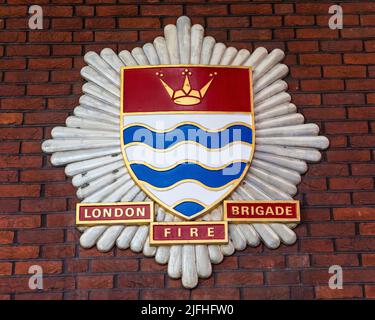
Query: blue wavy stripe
[210,178]
[188,208]
[187,132]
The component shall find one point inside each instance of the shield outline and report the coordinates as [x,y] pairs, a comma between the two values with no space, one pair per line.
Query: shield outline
[127,164]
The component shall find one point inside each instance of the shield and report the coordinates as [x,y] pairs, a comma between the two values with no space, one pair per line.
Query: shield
[187,133]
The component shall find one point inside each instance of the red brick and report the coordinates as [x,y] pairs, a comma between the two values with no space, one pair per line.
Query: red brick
[322,85]
[12,90]
[303,46]
[12,64]
[227,22]
[11,118]
[328,198]
[324,113]
[298,261]
[348,155]
[359,58]
[104,36]
[49,267]
[67,23]
[66,50]
[297,20]
[370,291]
[94,282]
[18,252]
[361,112]
[320,58]
[344,72]
[6,237]
[9,148]
[59,190]
[348,291]
[342,45]
[141,280]
[164,294]
[355,244]
[58,251]
[367,229]
[312,8]
[41,236]
[350,20]
[39,296]
[251,8]
[22,103]
[215,294]
[119,265]
[363,169]
[360,198]
[351,183]
[305,72]
[332,230]
[344,98]
[266,21]
[100,23]
[362,141]
[238,278]
[60,220]
[250,34]
[5,268]
[310,99]
[343,259]
[42,175]
[49,36]
[316,245]
[266,293]
[48,89]
[8,176]
[368,259]
[50,63]
[118,10]
[13,190]
[114,295]
[314,33]
[261,262]
[202,10]
[58,11]
[353,213]
[359,33]
[27,50]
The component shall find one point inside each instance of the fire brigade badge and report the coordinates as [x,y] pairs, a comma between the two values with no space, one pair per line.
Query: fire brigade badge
[185,150]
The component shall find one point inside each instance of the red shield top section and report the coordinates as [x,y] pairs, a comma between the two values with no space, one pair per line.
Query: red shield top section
[186,88]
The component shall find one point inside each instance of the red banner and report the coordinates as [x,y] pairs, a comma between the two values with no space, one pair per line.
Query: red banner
[162,88]
[262,211]
[188,232]
[114,213]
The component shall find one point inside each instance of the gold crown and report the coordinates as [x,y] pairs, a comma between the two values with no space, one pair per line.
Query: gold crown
[186,96]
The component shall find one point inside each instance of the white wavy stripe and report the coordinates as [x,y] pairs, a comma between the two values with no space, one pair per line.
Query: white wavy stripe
[188,190]
[189,151]
[210,121]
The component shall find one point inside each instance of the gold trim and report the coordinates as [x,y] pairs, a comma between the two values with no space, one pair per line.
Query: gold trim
[173,242]
[154,198]
[189,123]
[114,222]
[262,220]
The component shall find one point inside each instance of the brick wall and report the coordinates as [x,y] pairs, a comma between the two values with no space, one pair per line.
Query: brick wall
[332,80]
